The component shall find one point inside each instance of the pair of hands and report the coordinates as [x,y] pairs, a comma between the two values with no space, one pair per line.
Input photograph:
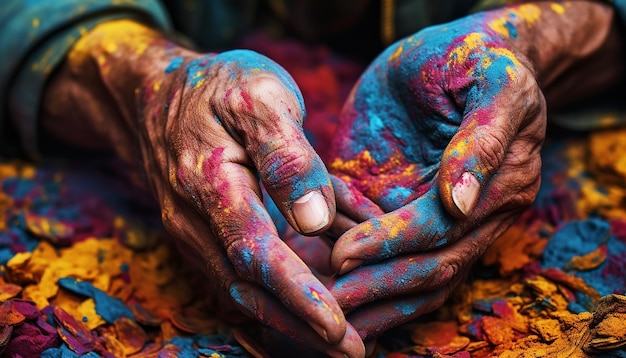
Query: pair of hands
[437,152]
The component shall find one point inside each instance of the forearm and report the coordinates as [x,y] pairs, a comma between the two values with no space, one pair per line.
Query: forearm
[575,48]
[95,97]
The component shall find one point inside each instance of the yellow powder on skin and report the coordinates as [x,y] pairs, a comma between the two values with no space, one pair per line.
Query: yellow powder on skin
[107,39]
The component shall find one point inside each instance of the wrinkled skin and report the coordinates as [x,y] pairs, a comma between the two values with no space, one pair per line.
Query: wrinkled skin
[425,115]
[443,132]
[204,130]
[217,212]
[201,132]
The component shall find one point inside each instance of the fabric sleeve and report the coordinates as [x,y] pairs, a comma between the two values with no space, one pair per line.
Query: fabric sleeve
[35,36]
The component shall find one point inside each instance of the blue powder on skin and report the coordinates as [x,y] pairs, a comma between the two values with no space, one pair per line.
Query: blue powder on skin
[316,178]
[247,256]
[238,296]
[196,70]
[435,121]
[428,215]
[369,129]
[396,196]
[411,271]
[410,307]
[266,274]
[512,29]
[250,61]
[277,217]
[174,64]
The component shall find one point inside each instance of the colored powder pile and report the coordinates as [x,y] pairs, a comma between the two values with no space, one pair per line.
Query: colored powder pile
[79,278]
[86,269]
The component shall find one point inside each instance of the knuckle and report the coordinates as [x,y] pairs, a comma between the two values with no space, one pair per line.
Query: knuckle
[525,184]
[450,270]
[492,148]
[525,196]
[257,92]
[284,166]
[531,98]
[242,252]
[265,86]
[232,235]
[521,199]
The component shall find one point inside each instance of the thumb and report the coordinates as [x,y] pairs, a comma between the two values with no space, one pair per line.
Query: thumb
[297,180]
[267,112]
[293,175]
[489,127]
[472,157]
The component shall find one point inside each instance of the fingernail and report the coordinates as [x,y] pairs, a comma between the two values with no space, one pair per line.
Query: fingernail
[321,331]
[465,192]
[349,265]
[310,212]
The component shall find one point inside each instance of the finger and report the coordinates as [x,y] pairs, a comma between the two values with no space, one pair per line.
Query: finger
[260,305]
[374,319]
[305,292]
[352,203]
[352,208]
[413,273]
[340,225]
[420,225]
[424,225]
[257,303]
[313,250]
[264,108]
[481,145]
[228,198]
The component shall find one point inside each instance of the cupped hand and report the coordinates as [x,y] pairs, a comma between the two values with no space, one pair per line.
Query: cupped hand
[443,131]
[218,124]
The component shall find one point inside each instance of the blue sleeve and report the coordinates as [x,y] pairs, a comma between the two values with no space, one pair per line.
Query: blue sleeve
[35,35]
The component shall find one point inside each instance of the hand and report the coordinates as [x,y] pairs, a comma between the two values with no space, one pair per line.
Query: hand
[207,126]
[444,132]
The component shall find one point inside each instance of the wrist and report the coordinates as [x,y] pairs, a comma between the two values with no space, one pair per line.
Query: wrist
[559,39]
[99,88]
